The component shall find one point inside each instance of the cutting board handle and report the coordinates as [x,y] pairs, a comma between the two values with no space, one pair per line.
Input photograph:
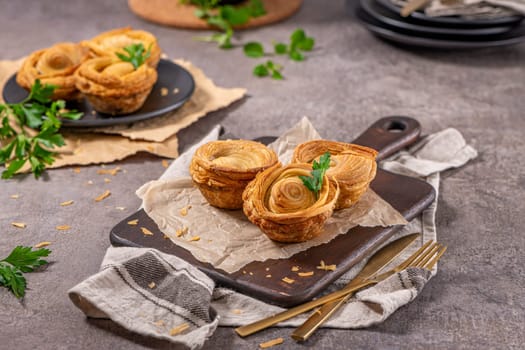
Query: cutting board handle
[389,135]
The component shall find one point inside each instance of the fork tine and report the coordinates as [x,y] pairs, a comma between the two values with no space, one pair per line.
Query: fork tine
[433,262]
[414,256]
[426,256]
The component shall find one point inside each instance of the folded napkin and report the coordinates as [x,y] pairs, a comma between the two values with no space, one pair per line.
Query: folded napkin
[159,295]
[156,135]
[472,9]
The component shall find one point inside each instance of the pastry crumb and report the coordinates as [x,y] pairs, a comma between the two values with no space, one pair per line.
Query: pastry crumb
[268,276]
[164,91]
[103,196]
[165,163]
[184,211]
[19,224]
[288,280]
[305,274]
[251,273]
[179,329]
[146,231]
[176,91]
[243,272]
[66,203]
[181,231]
[89,182]
[295,268]
[14,196]
[120,208]
[152,285]
[133,222]
[237,311]
[166,236]
[76,170]
[106,180]
[270,343]
[111,172]
[267,269]
[42,244]
[63,227]
[194,239]
[323,266]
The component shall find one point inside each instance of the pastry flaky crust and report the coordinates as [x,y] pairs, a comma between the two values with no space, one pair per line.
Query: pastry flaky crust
[222,169]
[55,66]
[113,86]
[284,208]
[114,41]
[352,166]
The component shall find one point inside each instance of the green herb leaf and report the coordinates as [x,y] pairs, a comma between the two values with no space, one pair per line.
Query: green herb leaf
[20,260]
[296,56]
[13,167]
[261,70]
[256,8]
[137,54]
[307,44]
[280,48]
[235,16]
[297,36]
[253,49]
[315,182]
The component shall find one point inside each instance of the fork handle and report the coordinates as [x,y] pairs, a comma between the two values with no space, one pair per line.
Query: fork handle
[282,316]
[313,322]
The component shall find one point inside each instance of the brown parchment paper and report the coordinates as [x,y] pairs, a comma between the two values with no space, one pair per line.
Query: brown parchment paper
[156,136]
[228,240]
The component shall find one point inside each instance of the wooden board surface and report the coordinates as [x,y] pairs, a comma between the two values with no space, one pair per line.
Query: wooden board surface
[408,195]
[176,14]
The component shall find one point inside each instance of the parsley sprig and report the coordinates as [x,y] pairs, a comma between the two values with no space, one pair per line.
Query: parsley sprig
[268,68]
[136,54]
[20,260]
[299,42]
[315,182]
[225,18]
[29,130]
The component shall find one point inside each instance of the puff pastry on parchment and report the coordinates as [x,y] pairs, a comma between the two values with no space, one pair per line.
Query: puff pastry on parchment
[55,66]
[284,208]
[222,169]
[113,86]
[107,44]
[352,166]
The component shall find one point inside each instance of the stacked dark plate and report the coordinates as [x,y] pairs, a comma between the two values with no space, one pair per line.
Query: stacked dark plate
[382,18]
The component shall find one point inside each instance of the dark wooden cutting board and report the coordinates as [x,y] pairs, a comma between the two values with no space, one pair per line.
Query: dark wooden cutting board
[408,195]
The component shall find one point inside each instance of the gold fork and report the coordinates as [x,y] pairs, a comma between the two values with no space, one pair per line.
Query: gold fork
[425,257]
[335,296]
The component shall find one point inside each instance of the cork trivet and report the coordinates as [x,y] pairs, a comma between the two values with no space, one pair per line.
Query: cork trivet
[173,13]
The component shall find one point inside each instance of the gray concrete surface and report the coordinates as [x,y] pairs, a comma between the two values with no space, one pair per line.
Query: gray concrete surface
[350,80]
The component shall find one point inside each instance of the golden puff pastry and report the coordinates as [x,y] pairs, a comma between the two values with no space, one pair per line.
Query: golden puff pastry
[55,66]
[284,208]
[222,169]
[113,86]
[352,166]
[114,41]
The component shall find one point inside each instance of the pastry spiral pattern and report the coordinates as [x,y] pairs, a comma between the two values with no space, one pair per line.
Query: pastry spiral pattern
[280,204]
[115,87]
[222,169]
[109,43]
[352,166]
[55,66]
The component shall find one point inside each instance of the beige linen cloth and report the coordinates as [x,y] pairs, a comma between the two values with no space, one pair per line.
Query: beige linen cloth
[184,298]
[156,136]
[472,9]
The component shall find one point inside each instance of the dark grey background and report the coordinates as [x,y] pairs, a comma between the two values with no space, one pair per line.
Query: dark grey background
[350,80]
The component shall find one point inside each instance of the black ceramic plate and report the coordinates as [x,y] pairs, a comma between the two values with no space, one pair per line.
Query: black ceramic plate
[170,76]
[514,36]
[389,18]
[455,21]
